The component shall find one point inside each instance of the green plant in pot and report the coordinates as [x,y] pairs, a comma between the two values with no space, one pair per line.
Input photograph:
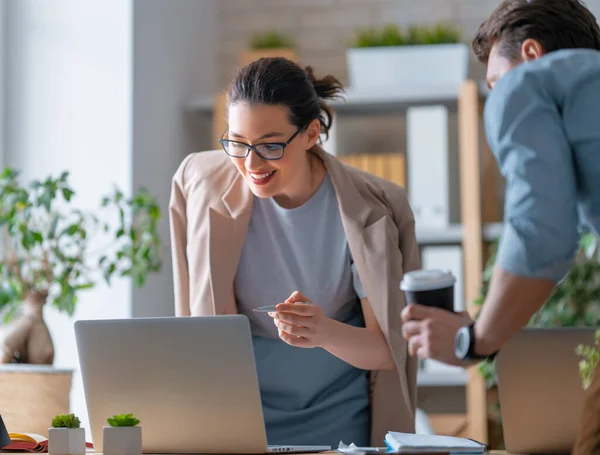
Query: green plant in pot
[271,39]
[414,35]
[587,365]
[574,303]
[65,436]
[51,251]
[122,435]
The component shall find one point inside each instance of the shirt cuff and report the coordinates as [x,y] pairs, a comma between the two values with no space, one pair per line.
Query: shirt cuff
[515,257]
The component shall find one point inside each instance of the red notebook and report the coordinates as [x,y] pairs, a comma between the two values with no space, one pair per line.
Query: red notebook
[29,442]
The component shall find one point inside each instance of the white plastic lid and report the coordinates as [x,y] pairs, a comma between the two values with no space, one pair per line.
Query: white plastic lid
[427,280]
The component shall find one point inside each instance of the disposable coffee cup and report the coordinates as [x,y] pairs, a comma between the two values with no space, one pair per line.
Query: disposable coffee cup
[433,288]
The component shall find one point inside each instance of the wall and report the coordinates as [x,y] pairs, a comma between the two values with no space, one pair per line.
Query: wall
[2,77]
[323,28]
[98,88]
[69,107]
[174,59]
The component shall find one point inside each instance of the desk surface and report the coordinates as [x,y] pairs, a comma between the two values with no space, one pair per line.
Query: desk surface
[493,452]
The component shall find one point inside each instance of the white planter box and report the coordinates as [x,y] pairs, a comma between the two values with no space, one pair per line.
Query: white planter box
[122,440]
[425,65]
[66,441]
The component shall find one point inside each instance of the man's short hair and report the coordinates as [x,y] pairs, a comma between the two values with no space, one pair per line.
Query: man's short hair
[555,24]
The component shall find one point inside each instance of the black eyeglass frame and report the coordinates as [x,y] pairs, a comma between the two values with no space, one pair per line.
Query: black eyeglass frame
[249,147]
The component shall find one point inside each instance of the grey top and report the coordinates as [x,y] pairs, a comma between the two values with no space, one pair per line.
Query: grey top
[309,396]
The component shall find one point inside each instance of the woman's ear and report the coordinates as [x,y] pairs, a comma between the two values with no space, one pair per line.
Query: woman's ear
[531,50]
[313,131]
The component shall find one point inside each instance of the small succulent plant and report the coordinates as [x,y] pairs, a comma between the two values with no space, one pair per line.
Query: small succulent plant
[66,421]
[123,420]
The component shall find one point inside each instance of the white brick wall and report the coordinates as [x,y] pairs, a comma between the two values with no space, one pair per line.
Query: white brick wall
[323,28]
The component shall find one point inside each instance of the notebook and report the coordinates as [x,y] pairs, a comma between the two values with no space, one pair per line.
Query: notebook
[30,442]
[419,443]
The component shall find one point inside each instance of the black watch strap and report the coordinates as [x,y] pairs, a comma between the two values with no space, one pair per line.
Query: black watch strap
[471,354]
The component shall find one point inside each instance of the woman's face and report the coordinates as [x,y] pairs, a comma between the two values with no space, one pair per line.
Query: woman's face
[254,124]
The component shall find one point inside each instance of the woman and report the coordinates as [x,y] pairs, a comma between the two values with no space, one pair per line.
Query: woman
[274,219]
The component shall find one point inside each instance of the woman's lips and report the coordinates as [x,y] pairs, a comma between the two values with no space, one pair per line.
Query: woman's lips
[261,178]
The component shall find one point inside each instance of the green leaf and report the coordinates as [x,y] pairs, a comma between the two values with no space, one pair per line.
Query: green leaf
[67,194]
[53,227]
[37,237]
[27,239]
[109,272]
[46,201]
[67,299]
[71,230]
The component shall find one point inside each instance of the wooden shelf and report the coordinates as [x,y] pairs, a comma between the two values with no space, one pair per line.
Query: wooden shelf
[442,379]
[360,102]
[453,234]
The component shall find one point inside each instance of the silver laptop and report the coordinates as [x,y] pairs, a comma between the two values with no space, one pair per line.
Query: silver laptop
[540,390]
[191,381]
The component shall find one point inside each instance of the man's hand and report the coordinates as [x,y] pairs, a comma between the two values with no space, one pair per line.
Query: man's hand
[300,323]
[431,332]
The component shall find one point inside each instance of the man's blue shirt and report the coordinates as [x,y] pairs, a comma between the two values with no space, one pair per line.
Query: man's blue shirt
[542,123]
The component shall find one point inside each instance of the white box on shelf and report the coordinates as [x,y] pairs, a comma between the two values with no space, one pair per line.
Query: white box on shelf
[386,66]
[66,441]
[448,257]
[432,166]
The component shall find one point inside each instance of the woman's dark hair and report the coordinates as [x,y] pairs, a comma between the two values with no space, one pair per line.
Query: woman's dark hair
[555,24]
[279,81]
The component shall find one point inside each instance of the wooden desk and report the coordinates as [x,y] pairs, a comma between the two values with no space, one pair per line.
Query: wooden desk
[493,452]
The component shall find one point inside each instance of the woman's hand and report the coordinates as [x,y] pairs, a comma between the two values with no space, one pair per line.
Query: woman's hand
[300,323]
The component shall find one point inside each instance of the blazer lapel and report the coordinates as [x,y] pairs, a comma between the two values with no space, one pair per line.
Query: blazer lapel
[227,234]
[374,245]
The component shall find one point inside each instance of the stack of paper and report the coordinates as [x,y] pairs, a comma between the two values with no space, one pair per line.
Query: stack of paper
[415,443]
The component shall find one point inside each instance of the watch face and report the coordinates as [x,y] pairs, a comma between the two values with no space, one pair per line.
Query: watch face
[462,342]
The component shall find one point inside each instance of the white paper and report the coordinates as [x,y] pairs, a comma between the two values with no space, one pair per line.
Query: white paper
[353,448]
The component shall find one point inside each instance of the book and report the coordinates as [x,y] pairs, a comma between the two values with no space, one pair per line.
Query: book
[30,442]
[425,443]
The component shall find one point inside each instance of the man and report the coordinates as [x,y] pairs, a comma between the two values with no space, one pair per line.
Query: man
[542,122]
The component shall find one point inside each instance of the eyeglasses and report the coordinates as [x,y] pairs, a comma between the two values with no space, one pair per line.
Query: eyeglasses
[267,150]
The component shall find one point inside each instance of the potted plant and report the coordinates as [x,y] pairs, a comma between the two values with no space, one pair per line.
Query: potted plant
[65,437]
[122,436]
[51,252]
[271,43]
[587,366]
[574,303]
[419,55]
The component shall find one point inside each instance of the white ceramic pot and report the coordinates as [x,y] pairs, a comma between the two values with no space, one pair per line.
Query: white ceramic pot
[66,441]
[435,65]
[122,440]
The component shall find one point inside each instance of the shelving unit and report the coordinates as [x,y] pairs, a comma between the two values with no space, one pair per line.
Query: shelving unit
[480,214]
[371,101]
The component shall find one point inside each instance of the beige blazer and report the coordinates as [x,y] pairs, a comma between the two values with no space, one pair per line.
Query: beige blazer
[210,210]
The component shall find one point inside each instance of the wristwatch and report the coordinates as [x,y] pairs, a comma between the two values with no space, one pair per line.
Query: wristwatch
[464,345]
